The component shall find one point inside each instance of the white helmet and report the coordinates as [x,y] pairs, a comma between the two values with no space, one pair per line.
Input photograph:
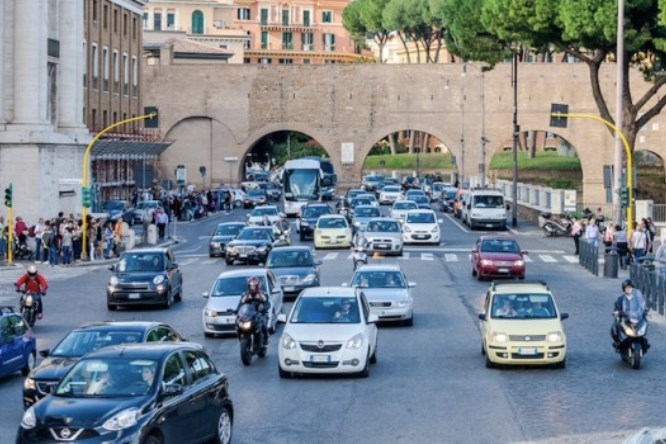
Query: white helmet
[32,270]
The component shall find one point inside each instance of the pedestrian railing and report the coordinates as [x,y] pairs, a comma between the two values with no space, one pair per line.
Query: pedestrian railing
[588,256]
[651,284]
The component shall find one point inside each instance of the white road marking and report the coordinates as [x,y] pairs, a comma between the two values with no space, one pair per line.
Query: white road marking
[571,259]
[188,261]
[527,259]
[209,261]
[464,230]
[451,257]
[330,256]
[547,258]
[427,257]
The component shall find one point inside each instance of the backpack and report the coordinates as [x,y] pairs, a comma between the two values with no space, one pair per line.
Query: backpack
[31,231]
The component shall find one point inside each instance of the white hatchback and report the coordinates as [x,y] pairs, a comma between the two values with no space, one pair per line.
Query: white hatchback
[329,330]
[421,226]
[257,215]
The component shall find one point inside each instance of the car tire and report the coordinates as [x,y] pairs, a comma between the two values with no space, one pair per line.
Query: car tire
[373,358]
[228,261]
[483,350]
[479,276]
[560,365]
[410,322]
[209,335]
[179,296]
[29,363]
[111,307]
[153,438]
[283,373]
[366,370]
[169,300]
[224,430]
[522,277]
[400,253]
[489,363]
[473,271]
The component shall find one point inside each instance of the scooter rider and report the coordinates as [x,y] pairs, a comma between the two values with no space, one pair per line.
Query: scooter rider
[630,304]
[255,296]
[360,241]
[35,283]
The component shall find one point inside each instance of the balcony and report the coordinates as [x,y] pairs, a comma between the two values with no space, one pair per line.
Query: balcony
[291,27]
[288,46]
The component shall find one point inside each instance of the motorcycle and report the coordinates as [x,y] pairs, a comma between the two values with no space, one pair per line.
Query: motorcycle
[629,338]
[250,333]
[551,227]
[29,307]
[360,256]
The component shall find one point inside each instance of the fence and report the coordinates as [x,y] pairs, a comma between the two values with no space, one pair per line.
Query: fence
[588,256]
[651,284]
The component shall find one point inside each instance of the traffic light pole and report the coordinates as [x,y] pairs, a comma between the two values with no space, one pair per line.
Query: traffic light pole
[10,236]
[85,174]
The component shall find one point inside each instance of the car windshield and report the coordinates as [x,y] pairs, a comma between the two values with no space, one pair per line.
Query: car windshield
[413,193]
[313,212]
[234,286]
[378,279]
[256,192]
[437,186]
[108,378]
[384,226]
[353,193]
[500,246]
[229,230]
[420,199]
[488,202]
[326,310]
[135,261]
[332,222]
[265,211]
[79,342]
[390,189]
[420,218]
[411,205]
[359,201]
[280,258]
[255,234]
[523,306]
[366,212]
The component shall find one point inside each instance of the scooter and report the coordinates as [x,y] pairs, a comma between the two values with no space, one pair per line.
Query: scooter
[552,228]
[629,338]
[360,256]
[29,307]
[250,333]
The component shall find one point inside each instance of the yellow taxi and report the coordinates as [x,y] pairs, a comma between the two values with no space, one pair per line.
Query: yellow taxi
[521,325]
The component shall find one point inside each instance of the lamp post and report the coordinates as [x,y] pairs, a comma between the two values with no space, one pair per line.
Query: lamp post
[462,127]
[514,143]
[482,165]
[619,117]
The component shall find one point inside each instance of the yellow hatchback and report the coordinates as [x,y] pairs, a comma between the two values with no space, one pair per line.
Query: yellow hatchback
[332,231]
[521,325]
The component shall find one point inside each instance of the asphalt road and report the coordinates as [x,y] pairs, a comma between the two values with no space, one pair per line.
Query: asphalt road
[430,383]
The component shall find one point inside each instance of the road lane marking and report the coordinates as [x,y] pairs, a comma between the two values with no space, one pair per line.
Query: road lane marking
[427,257]
[527,259]
[209,261]
[465,230]
[451,257]
[571,259]
[330,256]
[188,261]
[547,258]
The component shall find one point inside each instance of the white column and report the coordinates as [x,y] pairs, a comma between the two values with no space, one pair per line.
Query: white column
[30,70]
[70,75]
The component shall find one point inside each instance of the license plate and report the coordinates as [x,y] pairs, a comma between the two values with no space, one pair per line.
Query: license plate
[489,225]
[289,289]
[420,236]
[134,296]
[382,246]
[502,270]
[320,358]
[527,351]
[242,256]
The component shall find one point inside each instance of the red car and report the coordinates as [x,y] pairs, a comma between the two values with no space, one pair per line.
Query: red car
[497,256]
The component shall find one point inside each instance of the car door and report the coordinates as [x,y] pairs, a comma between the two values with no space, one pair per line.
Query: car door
[173,272]
[201,391]
[178,415]
[483,325]
[370,328]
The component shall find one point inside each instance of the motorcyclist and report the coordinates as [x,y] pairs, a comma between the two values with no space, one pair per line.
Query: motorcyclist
[360,241]
[630,304]
[255,296]
[35,283]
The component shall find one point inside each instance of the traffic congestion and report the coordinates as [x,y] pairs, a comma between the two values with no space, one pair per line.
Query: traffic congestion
[265,318]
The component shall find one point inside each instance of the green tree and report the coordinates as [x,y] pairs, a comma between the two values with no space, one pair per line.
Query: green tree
[414,20]
[363,18]
[488,30]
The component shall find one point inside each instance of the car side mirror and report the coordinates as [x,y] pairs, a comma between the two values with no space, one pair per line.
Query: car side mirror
[564,316]
[482,316]
[318,262]
[205,294]
[172,389]
[411,285]
[111,267]
[44,353]
[282,317]
[373,318]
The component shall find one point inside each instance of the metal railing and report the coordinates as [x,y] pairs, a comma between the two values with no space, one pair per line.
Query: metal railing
[651,284]
[588,256]
[659,212]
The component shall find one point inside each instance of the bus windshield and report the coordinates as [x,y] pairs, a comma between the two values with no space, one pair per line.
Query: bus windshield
[301,184]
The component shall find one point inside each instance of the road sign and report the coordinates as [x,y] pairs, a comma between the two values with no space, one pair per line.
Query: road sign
[181,175]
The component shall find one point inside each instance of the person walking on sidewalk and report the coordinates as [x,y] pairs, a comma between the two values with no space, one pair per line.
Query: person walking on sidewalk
[576,233]
[592,233]
[161,219]
[67,243]
[639,242]
[39,232]
[620,240]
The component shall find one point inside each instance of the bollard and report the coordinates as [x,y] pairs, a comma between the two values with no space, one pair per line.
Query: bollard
[611,262]
[151,235]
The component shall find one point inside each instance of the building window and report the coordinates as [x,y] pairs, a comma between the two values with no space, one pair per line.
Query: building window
[264,40]
[285,17]
[116,72]
[306,18]
[197,22]
[265,61]
[115,21]
[95,65]
[306,61]
[243,13]
[125,21]
[307,41]
[135,76]
[105,69]
[329,42]
[157,21]
[247,60]
[125,73]
[286,61]
[327,16]
[287,40]
[105,119]
[85,66]
[93,119]
[133,28]
[145,20]
[171,20]
[105,16]
[94,11]
[263,13]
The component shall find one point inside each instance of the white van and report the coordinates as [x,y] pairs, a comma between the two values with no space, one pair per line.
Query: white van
[485,209]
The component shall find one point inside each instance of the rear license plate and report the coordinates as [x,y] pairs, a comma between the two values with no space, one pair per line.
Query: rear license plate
[289,289]
[134,296]
[502,270]
[489,225]
[320,358]
[527,351]
[382,246]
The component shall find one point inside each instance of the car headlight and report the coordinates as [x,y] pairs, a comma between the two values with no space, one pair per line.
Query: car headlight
[310,277]
[231,250]
[29,419]
[555,336]
[305,223]
[403,304]
[158,279]
[29,384]
[357,224]
[486,262]
[499,337]
[519,263]
[355,342]
[210,313]
[262,249]
[113,281]
[126,418]
[287,342]
[213,244]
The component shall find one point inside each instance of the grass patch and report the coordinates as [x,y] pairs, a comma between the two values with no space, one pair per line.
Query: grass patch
[407,161]
[544,160]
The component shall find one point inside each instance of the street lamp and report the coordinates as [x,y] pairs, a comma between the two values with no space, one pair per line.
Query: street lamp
[514,144]
[482,165]
[619,148]
[462,126]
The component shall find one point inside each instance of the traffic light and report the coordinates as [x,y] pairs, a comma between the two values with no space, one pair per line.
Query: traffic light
[86,197]
[624,197]
[8,196]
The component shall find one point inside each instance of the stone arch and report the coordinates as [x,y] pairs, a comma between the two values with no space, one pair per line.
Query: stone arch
[650,176]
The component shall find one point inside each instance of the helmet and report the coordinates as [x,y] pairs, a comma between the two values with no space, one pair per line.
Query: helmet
[626,283]
[253,284]
[32,271]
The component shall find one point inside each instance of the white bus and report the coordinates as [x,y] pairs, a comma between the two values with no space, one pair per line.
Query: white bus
[303,181]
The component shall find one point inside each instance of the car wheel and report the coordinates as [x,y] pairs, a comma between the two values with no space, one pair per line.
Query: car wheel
[521,277]
[483,349]
[179,295]
[228,261]
[479,276]
[153,439]
[111,307]
[169,300]
[489,363]
[410,322]
[400,253]
[283,374]
[373,358]
[29,364]
[561,364]
[209,335]
[366,370]
[224,427]
[473,271]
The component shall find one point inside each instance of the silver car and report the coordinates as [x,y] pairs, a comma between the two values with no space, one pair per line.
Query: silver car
[384,236]
[388,292]
[219,315]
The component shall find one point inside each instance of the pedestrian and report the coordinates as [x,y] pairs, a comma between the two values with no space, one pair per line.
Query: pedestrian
[67,242]
[91,239]
[592,233]
[47,234]
[660,258]
[146,219]
[639,242]
[108,240]
[162,219]
[576,233]
[620,240]
[651,232]
[608,237]
[39,232]
[230,201]
[54,244]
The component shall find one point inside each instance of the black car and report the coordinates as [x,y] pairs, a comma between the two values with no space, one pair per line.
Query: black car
[295,268]
[251,246]
[86,338]
[146,276]
[223,234]
[135,393]
[273,191]
[308,217]
[254,197]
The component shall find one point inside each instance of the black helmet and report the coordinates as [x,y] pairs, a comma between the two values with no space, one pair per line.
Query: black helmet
[627,283]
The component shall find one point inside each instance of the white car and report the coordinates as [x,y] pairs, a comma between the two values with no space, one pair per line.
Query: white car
[371,197]
[388,292]
[401,208]
[256,216]
[332,231]
[329,330]
[421,226]
[219,317]
[390,194]
[384,236]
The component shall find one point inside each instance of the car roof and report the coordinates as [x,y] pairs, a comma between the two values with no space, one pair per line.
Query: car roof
[243,272]
[150,350]
[265,206]
[148,250]
[313,292]
[224,224]
[520,287]
[384,219]
[116,325]
[360,207]
[332,216]
[421,210]
[404,201]
[316,205]
[502,237]
[382,267]
[487,191]
[293,248]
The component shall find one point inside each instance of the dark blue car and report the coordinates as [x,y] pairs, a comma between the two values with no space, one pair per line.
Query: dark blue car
[17,344]
[308,217]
